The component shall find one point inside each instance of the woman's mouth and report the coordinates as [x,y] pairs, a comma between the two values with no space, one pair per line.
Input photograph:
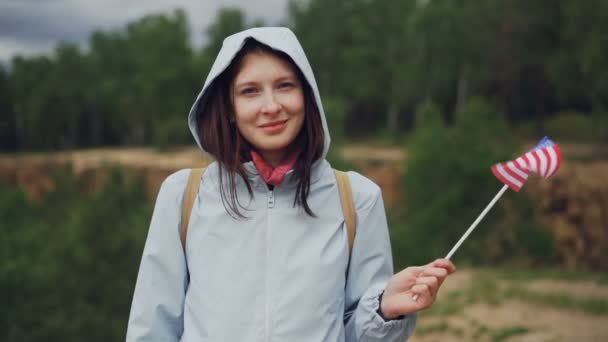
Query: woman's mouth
[274,127]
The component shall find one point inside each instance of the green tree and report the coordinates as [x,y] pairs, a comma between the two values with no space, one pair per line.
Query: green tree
[228,20]
[579,68]
[67,270]
[32,93]
[7,126]
[448,182]
[151,80]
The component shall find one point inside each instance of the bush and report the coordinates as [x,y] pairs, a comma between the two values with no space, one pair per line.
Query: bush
[571,126]
[170,132]
[448,183]
[335,114]
[600,124]
[70,262]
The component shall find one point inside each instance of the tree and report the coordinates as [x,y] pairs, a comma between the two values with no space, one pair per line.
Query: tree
[150,81]
[447,182]
[228,20]
[7,126]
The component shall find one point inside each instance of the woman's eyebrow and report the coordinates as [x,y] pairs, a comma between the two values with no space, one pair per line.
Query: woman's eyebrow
[244,83]
[286,78]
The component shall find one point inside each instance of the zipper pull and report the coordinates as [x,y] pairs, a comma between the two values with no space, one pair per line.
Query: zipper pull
[271,199]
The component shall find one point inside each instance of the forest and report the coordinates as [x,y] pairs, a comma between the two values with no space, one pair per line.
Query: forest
[459,85]
[541,64]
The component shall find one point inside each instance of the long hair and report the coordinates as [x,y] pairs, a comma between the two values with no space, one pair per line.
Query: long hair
[219,135]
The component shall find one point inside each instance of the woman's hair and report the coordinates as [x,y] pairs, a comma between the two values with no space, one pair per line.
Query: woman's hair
[219,135]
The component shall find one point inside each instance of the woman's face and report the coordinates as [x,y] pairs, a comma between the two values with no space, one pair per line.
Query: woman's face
[268,103]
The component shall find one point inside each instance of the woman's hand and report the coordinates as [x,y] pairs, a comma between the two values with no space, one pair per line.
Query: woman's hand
[421,281]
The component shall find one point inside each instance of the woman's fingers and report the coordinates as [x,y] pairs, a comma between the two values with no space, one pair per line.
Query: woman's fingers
[434,271]
[423,295]
[431,282]
[447,264]
[415,288]
[439,268]
[439,273]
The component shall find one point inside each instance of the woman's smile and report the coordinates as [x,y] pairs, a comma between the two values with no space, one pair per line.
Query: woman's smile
[274,127]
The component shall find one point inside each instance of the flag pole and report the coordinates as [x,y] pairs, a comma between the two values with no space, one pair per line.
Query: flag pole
[473,225]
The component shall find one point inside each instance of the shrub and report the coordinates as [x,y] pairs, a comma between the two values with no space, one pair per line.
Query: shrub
[571,126]
[448,183]
[172,131]
[69,263]
[335,114]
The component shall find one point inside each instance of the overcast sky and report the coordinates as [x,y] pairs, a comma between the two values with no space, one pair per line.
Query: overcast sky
[35,26]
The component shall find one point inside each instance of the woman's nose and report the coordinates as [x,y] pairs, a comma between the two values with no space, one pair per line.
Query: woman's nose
[271,105]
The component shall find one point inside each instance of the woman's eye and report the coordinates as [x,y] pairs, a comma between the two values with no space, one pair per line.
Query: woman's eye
[248,91]
[286,85]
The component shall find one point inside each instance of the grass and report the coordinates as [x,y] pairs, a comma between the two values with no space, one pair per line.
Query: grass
[432,328]
[498,334]
[449,305]
[594,306]
[551,274]
[495,286]
[437,328]
[502,334]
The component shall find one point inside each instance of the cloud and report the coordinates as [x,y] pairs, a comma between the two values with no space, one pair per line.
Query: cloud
[36,26]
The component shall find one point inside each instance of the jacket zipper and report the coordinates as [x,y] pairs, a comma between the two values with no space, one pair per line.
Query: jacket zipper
[271,198]
[267,299]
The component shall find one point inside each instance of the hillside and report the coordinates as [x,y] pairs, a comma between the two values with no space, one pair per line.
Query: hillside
[573,205]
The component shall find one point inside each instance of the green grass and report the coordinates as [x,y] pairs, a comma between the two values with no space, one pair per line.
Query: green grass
[502,334]
[440,327]
[481,331]
[594,306]
[451,304]
[495,286]
[499,334]
[485,288]
[552,274]
[432,328]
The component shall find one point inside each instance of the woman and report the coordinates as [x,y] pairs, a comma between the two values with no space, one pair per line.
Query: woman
[267,257]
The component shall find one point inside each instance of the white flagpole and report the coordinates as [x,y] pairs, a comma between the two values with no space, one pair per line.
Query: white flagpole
[473,225]
[479,218]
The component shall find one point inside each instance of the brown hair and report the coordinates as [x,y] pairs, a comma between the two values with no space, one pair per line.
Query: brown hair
[220,137]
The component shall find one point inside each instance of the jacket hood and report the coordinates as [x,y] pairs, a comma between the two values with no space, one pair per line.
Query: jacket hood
[278,38]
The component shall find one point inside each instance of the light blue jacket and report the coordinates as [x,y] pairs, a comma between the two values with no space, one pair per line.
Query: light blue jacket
[279,275]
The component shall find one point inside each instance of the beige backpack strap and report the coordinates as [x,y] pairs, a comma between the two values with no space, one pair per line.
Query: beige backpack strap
[194,182]
[348,207]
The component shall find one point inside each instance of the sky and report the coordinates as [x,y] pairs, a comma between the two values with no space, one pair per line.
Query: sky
[29,27]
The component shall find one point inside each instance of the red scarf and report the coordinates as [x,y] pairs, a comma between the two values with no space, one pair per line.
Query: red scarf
[274,175]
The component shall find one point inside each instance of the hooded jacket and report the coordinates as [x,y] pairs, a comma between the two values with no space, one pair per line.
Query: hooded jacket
[280,274]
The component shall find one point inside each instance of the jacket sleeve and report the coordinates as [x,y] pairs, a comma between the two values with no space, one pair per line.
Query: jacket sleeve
[158,300]
[371,267]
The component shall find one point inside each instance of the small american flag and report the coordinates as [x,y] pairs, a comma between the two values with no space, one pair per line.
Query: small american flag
[544,159]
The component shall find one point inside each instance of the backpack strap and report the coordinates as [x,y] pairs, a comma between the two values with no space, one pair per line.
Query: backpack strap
[348,207]
[194,182]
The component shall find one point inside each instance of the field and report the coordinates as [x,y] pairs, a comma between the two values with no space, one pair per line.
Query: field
[509,305]
[474,304]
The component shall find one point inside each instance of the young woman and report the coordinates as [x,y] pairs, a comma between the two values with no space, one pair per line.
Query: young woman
[267,255]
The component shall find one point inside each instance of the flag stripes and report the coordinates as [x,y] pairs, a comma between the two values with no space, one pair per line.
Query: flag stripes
[544,160]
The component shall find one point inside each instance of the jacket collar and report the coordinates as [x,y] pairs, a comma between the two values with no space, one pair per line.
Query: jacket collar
[290,181]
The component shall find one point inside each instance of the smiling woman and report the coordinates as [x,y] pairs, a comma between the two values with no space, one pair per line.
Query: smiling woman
[267,256]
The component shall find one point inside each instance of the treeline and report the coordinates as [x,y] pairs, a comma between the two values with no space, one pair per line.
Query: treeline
[376,62]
